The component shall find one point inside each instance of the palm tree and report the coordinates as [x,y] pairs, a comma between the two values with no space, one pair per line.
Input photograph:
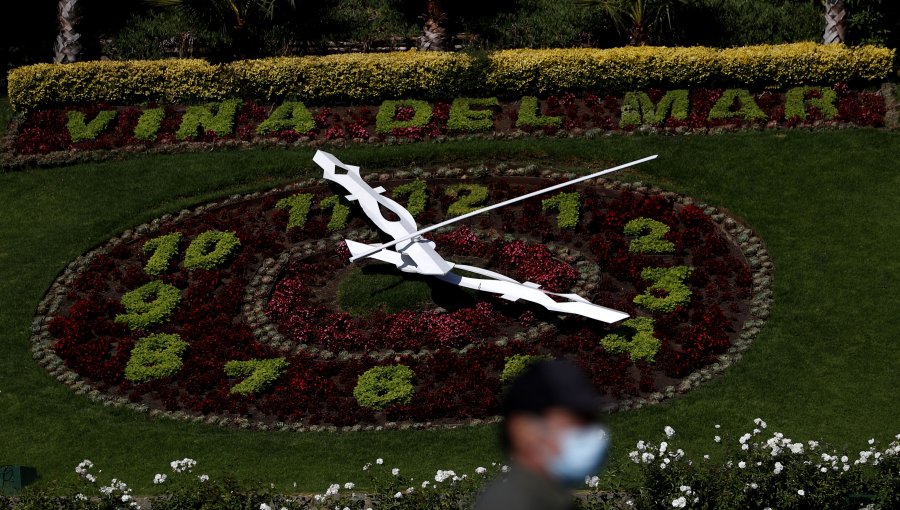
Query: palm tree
[434,34]
[67,46]
[636,18]
[236,12]
[835,22]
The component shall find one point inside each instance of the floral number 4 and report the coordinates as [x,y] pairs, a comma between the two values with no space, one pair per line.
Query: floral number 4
[642,345]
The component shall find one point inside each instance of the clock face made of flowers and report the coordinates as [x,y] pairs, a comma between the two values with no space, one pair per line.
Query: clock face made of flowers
[250,312]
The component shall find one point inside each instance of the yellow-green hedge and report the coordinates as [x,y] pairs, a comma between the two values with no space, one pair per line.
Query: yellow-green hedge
[430,75]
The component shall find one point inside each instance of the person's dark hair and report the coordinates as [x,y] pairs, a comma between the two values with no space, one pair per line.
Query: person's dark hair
[547,384]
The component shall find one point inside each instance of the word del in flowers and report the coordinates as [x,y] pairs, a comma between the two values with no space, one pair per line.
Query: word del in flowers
[414,254]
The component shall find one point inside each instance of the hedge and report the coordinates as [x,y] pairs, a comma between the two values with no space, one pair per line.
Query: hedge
[433,75]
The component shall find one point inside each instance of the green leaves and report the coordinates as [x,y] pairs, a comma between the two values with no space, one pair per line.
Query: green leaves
[149,305]
[210,249]
[668,290]
[215,117]
[380,387]
[569,207]
[464,118]
[260,373]
[475,195]
[155,356]
[651,234]
[81,131]
[385,121]
[641,345]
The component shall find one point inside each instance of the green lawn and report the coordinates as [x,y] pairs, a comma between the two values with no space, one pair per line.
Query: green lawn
[825,367]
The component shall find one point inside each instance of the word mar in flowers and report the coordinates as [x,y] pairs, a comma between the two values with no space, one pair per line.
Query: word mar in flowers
[415,254]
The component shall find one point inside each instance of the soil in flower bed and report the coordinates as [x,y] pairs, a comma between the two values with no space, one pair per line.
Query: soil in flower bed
[456,343]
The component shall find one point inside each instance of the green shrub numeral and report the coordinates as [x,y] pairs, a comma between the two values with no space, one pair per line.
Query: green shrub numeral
[476,194]
[569,207]
[259,373]
[163,248]
[200,119]
[385,122]
[81,131]
[652,239]
[638,109]
[210,249]
[292,115]
[748,109]
[668,280]
[796,102]
[418,196]
[155,356]
[339,212]
[641,346]
[148,124]
[464,118]
[528,115]
[516,364]
[380,387]
[297,207]
[148,305]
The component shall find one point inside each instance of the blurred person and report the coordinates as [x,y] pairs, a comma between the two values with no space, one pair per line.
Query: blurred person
[553,436]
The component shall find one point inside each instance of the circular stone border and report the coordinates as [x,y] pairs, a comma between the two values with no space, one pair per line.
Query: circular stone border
[259,291]
[751,246]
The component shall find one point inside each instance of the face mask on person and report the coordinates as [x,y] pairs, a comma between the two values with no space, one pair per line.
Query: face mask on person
[582,450]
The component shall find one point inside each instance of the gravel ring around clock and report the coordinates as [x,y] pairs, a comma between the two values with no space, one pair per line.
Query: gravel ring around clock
[750,245]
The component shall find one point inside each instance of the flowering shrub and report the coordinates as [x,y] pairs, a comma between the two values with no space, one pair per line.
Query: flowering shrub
[757,471]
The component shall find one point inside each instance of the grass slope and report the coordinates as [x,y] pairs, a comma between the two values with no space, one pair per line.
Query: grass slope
[825,367]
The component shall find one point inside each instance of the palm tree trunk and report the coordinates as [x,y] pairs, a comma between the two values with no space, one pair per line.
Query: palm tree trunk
[67,46]
[434,35]
[835,26]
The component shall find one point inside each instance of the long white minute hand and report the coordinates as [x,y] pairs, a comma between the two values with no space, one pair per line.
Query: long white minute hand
[499,205]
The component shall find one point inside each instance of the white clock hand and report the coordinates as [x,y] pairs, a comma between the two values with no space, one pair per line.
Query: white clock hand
[497,206]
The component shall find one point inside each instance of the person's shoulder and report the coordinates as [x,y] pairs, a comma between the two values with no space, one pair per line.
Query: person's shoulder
[502,494]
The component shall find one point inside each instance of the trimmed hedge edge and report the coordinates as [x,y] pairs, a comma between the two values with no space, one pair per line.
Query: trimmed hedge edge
[430,75]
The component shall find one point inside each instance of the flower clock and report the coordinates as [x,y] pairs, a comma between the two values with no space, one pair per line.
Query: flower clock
[323,305]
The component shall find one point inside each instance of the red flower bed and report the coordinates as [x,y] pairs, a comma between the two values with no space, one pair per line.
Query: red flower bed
[457,351]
